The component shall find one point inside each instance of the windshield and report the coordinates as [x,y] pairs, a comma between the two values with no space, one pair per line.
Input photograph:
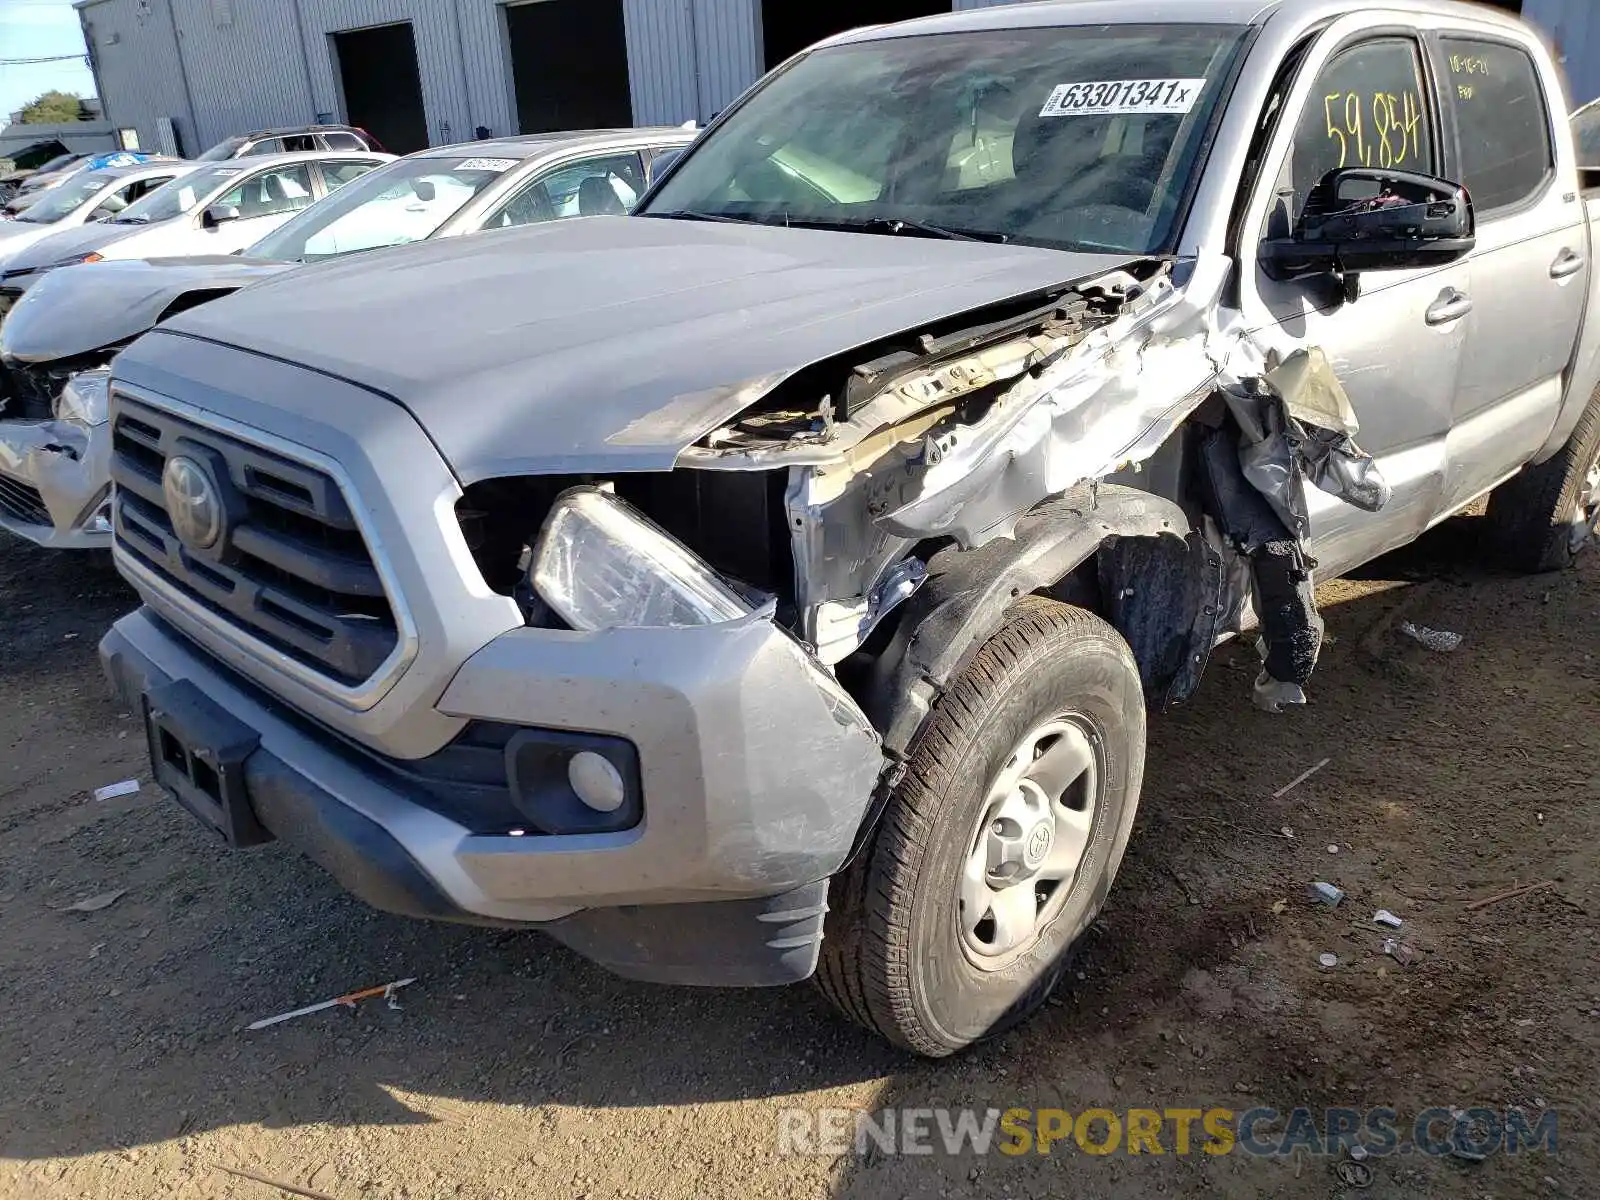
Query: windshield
[405,201]
[1075,138]
[66,197]
[1586,132]
[222,151]
[183,194]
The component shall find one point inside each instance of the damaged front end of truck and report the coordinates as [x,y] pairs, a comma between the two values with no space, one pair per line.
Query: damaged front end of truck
[1113,443]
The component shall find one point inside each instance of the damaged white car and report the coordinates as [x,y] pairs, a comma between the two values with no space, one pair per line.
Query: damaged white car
[776,584]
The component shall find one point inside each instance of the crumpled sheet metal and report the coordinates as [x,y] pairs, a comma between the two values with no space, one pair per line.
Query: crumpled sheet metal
[1296,424]
[1113,401]
[69,464]
[1119,396]
[1110,403]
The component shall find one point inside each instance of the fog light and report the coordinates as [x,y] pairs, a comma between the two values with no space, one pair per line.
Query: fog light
[597,782]
[567,783]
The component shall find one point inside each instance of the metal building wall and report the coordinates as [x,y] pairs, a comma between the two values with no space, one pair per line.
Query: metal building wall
[228,66]
[689,59]
[446,97]
[465,65]
[486,64]
[140,71]
[1573,29]
[731,57]
[663,73]
[245,66]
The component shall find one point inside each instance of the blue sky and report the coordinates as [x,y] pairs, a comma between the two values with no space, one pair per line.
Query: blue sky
[34,29]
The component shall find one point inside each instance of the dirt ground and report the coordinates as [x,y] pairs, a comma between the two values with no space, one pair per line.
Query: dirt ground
[516,1069]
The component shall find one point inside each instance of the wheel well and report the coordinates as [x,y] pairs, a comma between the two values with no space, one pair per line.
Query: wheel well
[1125,554]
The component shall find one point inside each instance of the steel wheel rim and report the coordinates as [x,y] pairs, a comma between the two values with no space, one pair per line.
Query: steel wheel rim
[1026,849]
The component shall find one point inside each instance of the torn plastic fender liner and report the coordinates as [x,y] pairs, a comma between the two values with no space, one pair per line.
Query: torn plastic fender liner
[964,600]
[1290,423]
[1285,601]
[1167,599]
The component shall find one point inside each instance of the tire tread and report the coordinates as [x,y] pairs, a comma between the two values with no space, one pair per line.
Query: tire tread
[863,967]
[1527,513]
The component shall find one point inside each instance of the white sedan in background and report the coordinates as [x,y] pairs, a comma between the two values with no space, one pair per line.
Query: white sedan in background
[216,208]
[87,198]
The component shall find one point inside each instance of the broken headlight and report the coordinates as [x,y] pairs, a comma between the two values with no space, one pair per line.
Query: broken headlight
[600,564]
[84,397]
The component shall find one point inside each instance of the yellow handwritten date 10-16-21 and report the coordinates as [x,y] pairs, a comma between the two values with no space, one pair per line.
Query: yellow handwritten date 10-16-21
[1379,130]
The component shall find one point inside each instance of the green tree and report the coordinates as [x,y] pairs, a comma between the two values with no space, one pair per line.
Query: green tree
[53,108]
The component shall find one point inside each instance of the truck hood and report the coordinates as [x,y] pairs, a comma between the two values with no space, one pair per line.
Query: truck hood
[80,309]
[68,245]
[607,342]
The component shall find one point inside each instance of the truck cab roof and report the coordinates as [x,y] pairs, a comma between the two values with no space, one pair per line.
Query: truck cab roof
[1162,12]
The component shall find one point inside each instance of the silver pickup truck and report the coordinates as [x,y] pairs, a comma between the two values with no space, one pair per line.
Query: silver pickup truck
[776,583]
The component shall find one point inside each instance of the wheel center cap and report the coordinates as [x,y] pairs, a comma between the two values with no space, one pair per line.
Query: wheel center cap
[1040,839]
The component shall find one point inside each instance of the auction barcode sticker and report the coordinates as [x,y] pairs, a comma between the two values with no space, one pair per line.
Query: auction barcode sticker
[496,165]
[1123,97]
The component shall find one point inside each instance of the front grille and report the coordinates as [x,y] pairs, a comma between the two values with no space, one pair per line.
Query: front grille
[291,569]
[22,503]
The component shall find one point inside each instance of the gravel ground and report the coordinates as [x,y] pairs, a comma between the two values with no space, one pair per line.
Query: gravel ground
[516,1069]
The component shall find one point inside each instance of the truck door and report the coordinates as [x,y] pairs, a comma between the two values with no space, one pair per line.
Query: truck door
[1529,272]
[1364,99]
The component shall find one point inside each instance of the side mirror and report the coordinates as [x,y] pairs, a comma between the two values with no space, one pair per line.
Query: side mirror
[1369,219]
[218,214]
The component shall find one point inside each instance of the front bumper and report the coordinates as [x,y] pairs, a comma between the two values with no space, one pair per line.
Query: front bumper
[756,772]
[55,483]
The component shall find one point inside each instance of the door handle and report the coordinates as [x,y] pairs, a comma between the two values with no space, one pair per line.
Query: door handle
[1450,306]
[1567,263]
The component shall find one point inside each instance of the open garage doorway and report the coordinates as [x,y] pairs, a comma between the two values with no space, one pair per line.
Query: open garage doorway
[569,64]
[788,27]
[382,87]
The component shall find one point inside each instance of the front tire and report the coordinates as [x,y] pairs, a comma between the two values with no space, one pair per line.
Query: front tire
[1539,517]
[999,845]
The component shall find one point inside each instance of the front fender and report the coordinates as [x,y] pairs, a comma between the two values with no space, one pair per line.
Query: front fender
[967,593]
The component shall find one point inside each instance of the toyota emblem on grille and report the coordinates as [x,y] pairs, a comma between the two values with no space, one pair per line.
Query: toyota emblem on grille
[193,504]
